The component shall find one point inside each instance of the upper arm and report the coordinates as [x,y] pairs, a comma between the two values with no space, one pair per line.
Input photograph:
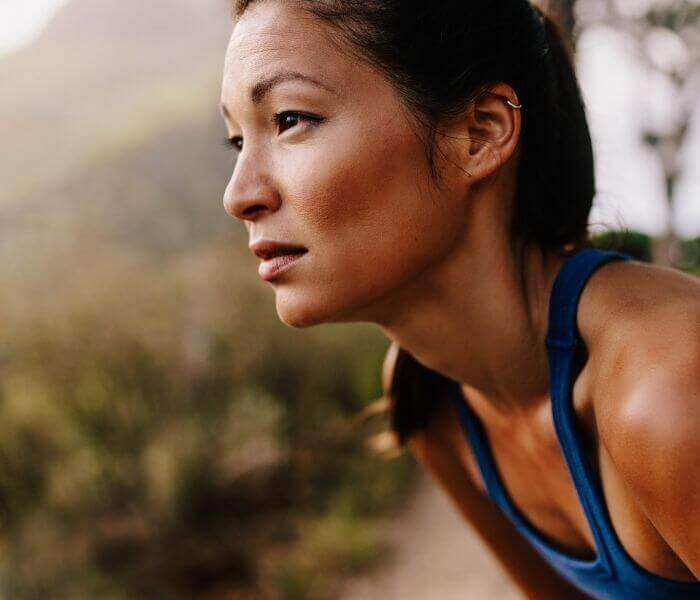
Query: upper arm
[652,435]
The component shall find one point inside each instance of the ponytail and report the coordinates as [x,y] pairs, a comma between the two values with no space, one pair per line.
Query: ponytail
[556,181]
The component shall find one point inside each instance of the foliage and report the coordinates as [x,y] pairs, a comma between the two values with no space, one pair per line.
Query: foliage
[690,255]
[634,243]
[640,246]
[163,435]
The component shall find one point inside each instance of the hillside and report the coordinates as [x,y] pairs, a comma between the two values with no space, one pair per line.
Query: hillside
[111,124]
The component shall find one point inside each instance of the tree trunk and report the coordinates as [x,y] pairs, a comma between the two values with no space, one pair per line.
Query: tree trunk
[666,251]
[563,12]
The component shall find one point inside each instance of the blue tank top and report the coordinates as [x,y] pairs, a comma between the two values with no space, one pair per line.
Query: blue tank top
[612,574]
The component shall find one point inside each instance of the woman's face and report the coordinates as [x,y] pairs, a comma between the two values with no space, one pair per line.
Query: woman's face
[344,175]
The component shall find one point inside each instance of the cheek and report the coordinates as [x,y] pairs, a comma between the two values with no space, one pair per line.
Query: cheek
[366,210]
[335,193]
[362,188]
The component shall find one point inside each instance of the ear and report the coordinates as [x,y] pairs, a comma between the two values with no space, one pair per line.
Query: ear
[486,134]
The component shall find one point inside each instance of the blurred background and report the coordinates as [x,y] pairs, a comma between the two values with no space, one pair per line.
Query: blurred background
[162,434]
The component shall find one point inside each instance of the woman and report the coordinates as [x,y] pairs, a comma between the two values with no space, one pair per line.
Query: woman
[427,167]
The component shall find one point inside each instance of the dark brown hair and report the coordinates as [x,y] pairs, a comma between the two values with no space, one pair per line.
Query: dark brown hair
[441,56]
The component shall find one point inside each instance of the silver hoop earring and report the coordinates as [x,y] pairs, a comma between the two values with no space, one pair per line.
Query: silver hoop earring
[514,105]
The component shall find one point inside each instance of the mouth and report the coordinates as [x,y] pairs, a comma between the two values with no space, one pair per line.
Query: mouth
[280,261]
[269,249]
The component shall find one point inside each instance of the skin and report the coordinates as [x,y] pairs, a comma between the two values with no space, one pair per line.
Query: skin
[434,267]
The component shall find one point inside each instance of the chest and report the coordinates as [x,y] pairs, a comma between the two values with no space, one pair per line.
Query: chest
[531,470]
[530,466]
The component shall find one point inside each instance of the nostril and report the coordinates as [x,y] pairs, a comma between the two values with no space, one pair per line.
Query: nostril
[251,211]
[240,210]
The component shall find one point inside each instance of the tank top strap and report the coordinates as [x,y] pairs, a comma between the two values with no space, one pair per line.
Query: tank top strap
[562,339]
[566,293]
[482,452]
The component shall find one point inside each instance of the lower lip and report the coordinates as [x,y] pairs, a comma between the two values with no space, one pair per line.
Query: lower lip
[272,267]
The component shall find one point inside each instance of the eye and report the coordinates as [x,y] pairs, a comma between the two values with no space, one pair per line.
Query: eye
[288,119]
[284,120]
[234,142]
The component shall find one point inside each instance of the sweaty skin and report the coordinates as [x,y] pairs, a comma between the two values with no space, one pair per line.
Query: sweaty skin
[345,175]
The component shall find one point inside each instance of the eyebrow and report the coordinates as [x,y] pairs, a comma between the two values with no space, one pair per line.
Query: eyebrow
[263,87]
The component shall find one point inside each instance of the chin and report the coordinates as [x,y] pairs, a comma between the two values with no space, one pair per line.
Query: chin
[302,310]
[295,310]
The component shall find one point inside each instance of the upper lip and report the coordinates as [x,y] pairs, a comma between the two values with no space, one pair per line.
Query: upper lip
[267,249]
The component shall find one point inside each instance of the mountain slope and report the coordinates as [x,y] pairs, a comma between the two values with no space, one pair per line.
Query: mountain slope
[105,79]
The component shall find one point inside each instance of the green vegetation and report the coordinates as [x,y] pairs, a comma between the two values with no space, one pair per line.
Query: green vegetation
[162,434]
[640,246]
[690,255]
[634,243]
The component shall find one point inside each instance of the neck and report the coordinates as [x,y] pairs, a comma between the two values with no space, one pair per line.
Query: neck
[480,317]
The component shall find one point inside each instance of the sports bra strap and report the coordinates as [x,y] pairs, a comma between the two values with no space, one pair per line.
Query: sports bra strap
[566,292]
[562,338]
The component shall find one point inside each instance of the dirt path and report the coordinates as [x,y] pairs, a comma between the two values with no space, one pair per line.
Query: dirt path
[434,556]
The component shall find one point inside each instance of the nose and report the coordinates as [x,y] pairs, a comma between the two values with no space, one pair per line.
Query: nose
[250,192]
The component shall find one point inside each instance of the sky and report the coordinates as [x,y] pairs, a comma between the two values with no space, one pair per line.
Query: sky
[22,20]
[620,97]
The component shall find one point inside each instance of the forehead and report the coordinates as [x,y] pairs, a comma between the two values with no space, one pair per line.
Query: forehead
[273,35]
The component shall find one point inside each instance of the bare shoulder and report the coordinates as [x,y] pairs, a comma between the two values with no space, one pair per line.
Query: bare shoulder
[647,380]
[643,322]
[622,295]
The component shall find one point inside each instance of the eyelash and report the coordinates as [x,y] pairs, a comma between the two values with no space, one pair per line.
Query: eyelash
[276,118]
